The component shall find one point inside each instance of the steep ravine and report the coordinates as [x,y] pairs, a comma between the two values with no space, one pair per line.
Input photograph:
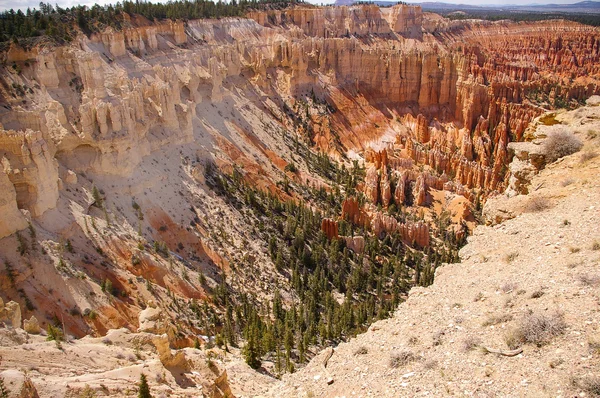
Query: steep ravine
[538,270]
[137,166]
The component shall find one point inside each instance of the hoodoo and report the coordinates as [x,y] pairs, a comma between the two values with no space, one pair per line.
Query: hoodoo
[266,180]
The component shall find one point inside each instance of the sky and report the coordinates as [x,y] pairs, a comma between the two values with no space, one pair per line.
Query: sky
[23,4]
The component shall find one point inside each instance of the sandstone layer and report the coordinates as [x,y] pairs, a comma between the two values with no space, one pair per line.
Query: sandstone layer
[106,144]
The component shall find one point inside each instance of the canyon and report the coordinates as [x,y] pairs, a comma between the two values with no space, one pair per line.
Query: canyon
[138,165]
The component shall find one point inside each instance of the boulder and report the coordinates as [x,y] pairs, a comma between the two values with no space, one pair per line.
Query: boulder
[151,321]
[594,100]
[10,314]
[32,325]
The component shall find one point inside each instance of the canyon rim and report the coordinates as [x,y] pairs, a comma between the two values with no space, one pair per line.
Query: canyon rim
[298,201]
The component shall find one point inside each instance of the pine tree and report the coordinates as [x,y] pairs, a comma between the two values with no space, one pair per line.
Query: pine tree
[252,350]
[96,196]
[144,391]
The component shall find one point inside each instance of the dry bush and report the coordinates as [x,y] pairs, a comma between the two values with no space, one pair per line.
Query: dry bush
[536,204]
[589,279]
[555,363]
[509,286]
[497,319]
[509,302]
[587,155]
[537,294]
[513,338]
[510,257]
[438,337]
[560,142]
[594,345]
[470,343]
[401,358]
[430,364]
[413,340]
[567,181]
[87,392]
[589,384]
[536,328]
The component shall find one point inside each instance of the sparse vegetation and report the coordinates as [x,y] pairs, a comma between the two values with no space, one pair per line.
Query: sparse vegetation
[560,142]
[98,201]
[510,286]
[107,286]
[430,364]
[87,392]
[54,333]
[437,337]
[478,297]
[291,167]
[567,181]
[22,244]
[510,257]
[470,343]
[4,392]
[594,344]
[161,248]
[401,358]
[10,273]
[536,204]
[497,319]
[589,279]
[536,328]
[413,340]
[537,293]
[144,389]
[69,246]
[589,384]
[587,155]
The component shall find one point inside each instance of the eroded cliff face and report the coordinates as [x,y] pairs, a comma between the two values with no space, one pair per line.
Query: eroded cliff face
[426,105]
